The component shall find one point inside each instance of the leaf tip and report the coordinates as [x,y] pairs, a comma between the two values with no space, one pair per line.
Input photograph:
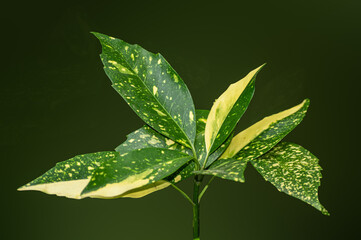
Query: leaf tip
[306,103]
[99,36]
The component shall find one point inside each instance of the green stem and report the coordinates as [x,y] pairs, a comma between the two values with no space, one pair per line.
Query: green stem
[183,193]
[205,189]
[196,187]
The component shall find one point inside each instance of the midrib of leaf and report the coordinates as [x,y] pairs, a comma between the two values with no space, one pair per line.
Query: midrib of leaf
[159,103]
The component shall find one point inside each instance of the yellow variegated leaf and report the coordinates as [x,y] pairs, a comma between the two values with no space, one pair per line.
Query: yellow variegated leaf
[262,136]
[181,174]
[69,178]
[133,170]
[228,109]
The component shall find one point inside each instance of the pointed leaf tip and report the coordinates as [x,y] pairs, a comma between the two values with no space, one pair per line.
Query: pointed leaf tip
[293,170]
[151,87]
[228,109]
[263,135]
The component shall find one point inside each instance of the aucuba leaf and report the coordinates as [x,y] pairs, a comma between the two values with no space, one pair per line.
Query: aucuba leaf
[230,169]
[228,109]
[293,170]
[69,178]
[151,87]
[132,170]
[265,134]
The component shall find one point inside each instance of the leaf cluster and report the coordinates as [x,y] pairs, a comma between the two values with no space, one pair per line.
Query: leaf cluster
[178,141]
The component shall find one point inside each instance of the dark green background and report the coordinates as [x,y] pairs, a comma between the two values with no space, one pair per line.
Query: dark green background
[56,102]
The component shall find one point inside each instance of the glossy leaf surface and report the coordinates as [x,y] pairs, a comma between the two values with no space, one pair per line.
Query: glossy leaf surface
[132,170]
[146,137]
[200,145]
[69,178]
[230,169]
[265,134]
[228,109]
[294,171]
[151,87]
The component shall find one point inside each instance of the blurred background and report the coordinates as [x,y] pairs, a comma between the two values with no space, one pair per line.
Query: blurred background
[56,102]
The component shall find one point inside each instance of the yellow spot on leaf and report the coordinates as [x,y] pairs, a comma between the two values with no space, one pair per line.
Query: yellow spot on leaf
[155,90]
[191,117]
[169,142]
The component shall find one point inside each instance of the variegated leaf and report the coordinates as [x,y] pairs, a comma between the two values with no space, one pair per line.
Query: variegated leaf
[151,87]
[201,151]
[69,178]
[146,137]
[228,109]
[200,145]
[294,171]
[230,169]
[262,136]
[182,173]
[133,170]
[201,119]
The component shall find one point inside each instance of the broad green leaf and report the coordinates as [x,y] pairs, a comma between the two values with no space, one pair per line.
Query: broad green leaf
[228,109]
[265,134]
[182,173]
[231,169]
[292,170]
[133,170]
[69,178]
[146,137]
[151,87]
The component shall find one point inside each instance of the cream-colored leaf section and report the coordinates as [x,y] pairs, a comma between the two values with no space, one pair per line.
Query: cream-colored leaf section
[145,190]
[69,189]
[246,136]
[113,190]
[150,188]
[223,105]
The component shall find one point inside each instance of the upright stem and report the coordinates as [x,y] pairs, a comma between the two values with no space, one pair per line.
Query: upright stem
[196,188]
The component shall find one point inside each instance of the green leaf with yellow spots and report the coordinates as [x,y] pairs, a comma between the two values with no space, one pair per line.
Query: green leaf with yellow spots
[146,137]
[228,109]
[69,178]
[132,170]
[294,171]
[178,141]
[201,120]
[265,134]
[230,169]
[151,87]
